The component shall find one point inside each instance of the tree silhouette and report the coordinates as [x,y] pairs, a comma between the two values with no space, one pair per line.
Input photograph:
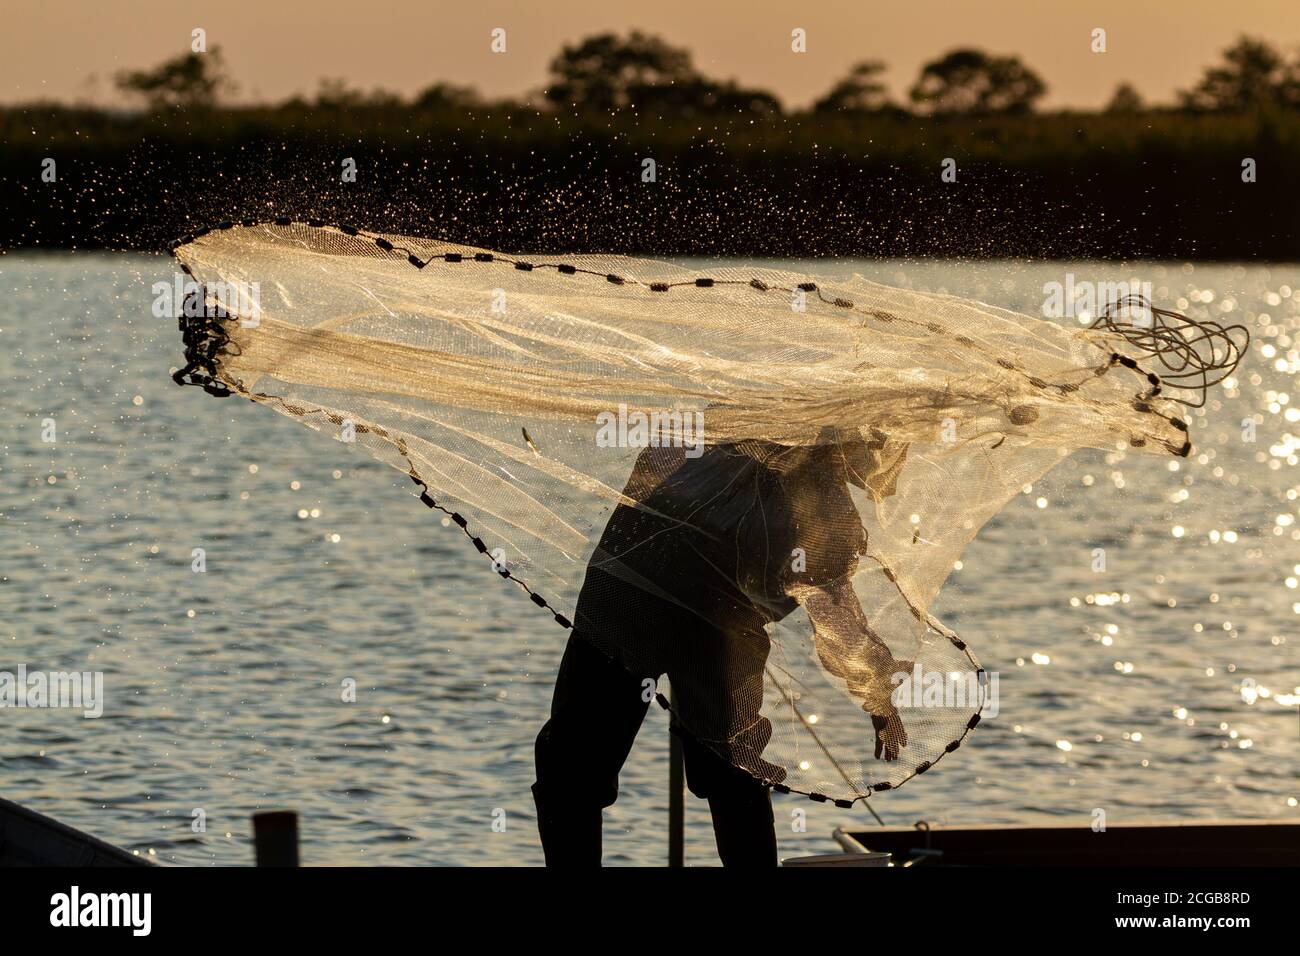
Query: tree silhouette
[1125,99]
[335,94]
[194,80]
[859,92]
[1253,74]
[602,72]
[971,81]
[447,96]
[608,72]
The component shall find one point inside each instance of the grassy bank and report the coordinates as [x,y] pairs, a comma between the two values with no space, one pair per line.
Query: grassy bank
[1149,184]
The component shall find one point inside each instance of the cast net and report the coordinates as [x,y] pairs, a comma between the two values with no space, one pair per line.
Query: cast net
[753,482]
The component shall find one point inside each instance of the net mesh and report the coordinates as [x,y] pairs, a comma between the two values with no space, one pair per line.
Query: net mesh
[754,482]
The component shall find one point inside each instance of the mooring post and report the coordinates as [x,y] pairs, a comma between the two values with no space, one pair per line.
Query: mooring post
[676,801]
[275,837]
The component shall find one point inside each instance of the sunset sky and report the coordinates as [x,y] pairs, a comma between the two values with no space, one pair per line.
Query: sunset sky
[69,51]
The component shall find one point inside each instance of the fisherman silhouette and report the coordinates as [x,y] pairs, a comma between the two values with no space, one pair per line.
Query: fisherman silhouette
[684,584]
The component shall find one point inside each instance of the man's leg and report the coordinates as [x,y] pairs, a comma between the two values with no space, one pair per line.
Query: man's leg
[719,695]
[596,712]
[741,806]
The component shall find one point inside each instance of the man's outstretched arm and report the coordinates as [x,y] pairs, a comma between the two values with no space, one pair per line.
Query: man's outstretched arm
[850,650]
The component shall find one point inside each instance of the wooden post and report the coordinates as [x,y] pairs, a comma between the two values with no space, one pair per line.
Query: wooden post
[275,837]
[676,802]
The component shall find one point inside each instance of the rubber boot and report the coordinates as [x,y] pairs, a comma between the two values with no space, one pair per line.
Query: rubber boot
[570,831]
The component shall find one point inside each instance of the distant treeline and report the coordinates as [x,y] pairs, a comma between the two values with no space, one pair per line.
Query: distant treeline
[628,149]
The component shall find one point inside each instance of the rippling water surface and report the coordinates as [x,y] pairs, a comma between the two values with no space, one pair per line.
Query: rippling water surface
[1163,687]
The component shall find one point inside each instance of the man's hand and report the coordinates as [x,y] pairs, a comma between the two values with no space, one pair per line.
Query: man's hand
[890,735]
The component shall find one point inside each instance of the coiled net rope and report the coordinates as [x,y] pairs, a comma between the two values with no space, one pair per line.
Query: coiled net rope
[752,481]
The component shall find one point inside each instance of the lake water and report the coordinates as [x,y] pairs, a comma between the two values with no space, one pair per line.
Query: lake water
[1165,687]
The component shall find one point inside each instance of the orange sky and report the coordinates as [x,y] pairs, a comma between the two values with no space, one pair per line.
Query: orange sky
[67,50]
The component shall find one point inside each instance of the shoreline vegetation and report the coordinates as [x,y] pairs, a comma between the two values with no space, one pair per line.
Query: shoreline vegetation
[628,149]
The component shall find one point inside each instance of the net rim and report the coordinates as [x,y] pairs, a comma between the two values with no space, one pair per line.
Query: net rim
[206,340]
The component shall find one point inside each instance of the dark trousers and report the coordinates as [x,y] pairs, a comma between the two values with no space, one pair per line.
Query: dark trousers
[596,712]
